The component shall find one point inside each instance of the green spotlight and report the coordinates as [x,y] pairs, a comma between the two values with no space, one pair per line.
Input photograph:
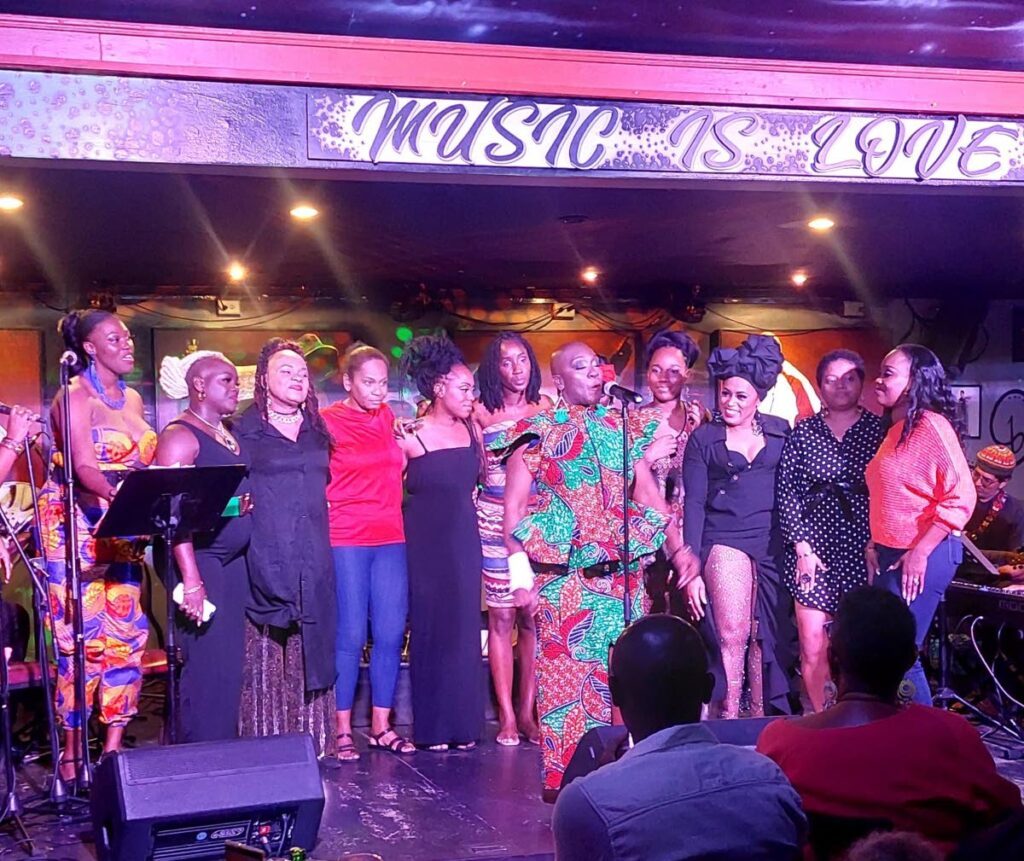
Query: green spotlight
[403,334]
[396,352]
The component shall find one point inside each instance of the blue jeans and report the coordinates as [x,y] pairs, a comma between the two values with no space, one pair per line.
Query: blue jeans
[942,565]
[372,583]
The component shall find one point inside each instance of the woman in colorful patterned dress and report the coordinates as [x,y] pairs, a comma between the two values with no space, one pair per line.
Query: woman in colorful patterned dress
[509,379]
[109,437]
[570,534]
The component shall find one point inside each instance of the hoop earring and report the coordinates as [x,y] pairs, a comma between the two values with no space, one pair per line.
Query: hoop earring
[755,425]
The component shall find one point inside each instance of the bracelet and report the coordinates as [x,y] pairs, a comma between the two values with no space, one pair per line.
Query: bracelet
[16,447]
[194,589]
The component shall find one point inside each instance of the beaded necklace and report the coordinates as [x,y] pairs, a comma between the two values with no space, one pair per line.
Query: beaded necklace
[94,380]
[993,513]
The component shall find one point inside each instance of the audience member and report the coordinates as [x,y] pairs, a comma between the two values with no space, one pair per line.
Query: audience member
[869,758]
[893,846]
[678,793]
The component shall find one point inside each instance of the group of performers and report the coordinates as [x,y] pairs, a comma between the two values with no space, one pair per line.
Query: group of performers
[352,518]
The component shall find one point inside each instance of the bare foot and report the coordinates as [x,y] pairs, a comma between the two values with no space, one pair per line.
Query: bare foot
[530,729]
[508,735]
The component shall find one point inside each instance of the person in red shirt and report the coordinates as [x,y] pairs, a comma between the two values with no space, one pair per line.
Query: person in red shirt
[871,759]
[368,543]
[920,491]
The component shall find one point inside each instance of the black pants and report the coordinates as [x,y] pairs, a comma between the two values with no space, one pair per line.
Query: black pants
[213,653]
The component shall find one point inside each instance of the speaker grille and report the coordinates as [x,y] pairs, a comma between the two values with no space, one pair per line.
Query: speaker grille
[205,760]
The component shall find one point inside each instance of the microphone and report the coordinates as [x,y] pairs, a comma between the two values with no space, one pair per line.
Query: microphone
[5,410]
[69,358]
[622,393]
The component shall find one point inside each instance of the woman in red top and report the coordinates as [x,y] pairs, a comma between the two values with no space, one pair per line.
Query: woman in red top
[920,491]
[368,542]
[871,759]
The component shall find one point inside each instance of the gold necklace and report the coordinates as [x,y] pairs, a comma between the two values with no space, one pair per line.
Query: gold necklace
[221,432]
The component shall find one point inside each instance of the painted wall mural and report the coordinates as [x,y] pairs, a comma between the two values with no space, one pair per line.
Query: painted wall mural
[182,122]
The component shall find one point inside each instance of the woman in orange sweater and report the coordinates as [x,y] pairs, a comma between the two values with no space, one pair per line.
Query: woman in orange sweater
[920,492]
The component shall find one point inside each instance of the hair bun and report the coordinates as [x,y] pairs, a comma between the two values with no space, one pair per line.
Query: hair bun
[427,359]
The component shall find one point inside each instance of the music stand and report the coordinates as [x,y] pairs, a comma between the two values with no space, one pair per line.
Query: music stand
[173,503]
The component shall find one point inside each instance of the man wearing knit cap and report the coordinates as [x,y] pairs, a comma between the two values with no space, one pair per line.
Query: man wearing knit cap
[998,519]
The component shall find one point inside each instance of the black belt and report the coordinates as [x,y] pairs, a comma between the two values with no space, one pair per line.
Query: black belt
[841,491]
[591,572]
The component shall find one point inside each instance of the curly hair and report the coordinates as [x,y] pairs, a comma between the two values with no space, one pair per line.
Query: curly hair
[311,408]
[488,375]
[75,328]
[427,359]
[928,390]
[672,338]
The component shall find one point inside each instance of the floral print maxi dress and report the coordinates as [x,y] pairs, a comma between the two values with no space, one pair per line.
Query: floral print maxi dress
[574,523]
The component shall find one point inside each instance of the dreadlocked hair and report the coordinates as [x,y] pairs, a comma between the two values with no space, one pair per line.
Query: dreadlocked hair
[310,408]
[488,375]
[428,359]
[928,390]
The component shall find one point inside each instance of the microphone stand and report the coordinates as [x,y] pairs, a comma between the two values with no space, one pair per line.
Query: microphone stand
[627,606]
[73,578]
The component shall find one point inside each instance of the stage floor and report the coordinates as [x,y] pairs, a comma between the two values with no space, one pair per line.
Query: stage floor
[428,807]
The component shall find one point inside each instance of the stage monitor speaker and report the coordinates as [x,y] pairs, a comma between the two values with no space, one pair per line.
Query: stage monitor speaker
[601,744]
[186,801]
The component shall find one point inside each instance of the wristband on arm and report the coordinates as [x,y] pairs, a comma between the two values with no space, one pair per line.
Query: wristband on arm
[520,572]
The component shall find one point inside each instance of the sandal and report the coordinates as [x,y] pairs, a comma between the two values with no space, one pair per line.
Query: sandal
[398,745]
[468,745]
[438,748]
[346,752]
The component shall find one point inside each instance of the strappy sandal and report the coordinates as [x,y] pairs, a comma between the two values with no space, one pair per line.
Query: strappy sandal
[398,745]
[346,752]
[468,745]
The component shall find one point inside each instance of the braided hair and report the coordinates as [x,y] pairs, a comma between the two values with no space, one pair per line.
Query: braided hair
[489,374]
[75,329]
[928,390]
[428,359]
[261,392]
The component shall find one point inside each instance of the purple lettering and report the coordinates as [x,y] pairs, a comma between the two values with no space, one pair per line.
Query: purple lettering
[877,159]
[518,148]
[825,137]
[404,125]
[581,132]
[932,129]
[975,146]
[732,149]
[703,119]
[458,113]
[569,112]
[464,148]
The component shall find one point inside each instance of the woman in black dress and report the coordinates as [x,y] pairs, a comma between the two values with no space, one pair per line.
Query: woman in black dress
[729,522]
[823,503]
[212,565]
[445,463]
[292,608]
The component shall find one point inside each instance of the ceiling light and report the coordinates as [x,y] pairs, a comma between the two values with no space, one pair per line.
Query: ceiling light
[590,275]
[10,203]
[821,223]
[304,212]
[237,272]
[799,278]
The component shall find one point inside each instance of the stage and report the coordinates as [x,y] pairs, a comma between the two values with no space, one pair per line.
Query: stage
[426,807]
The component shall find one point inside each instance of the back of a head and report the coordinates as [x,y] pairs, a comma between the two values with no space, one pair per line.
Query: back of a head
[873,641]
[893,846]
[659,671]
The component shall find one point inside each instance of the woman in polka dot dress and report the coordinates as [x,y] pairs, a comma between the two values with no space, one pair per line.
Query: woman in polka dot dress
[823,504]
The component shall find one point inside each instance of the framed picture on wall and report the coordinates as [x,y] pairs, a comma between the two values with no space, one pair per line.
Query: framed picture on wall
[968,400]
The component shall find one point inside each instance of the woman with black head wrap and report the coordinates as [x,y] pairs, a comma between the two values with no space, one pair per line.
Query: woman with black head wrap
[445,462]
[732,532]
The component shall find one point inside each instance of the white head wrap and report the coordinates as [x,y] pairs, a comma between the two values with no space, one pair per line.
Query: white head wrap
[174,371]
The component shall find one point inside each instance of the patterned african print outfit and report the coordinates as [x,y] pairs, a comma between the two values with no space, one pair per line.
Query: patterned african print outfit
[490,512]
[575,522]
[114,623]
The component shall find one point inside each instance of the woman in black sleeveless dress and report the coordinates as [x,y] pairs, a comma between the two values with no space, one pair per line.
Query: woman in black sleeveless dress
[212,565]
[443,544]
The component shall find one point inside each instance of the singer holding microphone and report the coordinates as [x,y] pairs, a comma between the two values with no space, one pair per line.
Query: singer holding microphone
[109,436]
[565,546]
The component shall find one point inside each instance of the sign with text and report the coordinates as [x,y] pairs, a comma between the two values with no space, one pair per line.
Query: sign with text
[521,133]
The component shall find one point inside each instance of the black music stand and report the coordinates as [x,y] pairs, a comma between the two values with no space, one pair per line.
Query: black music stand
[173,503]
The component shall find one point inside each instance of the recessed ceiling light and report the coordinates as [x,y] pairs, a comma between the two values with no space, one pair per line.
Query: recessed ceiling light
[304,212]
[10,203]
[237,272]
[821,223]
[590,275]
[799,278]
